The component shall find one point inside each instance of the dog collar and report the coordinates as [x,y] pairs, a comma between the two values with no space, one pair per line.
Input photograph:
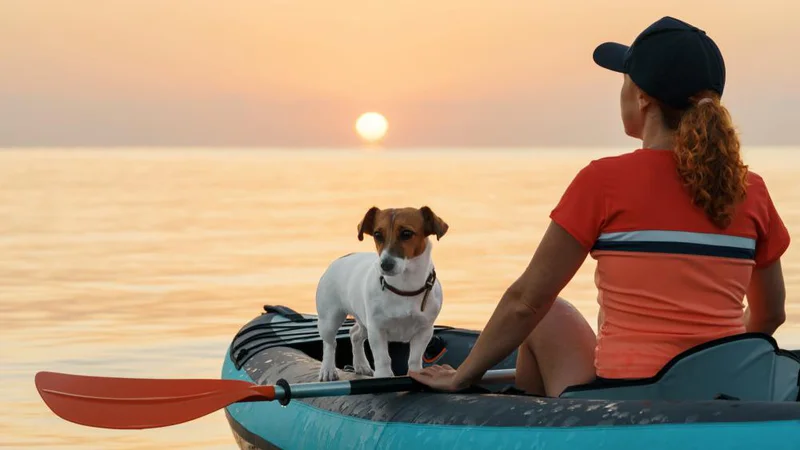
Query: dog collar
[426,288]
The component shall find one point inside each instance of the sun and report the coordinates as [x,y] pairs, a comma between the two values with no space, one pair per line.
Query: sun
[372,126]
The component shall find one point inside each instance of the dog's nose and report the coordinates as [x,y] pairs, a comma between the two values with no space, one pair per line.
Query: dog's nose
[387,264]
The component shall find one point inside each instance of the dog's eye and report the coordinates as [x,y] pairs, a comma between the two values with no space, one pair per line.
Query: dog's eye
[406,235]
[377,236]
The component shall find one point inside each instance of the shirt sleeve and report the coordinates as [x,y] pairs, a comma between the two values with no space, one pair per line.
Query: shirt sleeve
[774,240]
[582,208]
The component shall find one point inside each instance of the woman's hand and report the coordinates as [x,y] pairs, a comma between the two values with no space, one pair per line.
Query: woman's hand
[442,378]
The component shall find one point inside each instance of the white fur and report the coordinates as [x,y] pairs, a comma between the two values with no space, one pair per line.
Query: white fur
[351,285]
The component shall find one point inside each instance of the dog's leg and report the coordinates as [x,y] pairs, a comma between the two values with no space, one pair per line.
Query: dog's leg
[380,352]
[328,324]
[417,345]
[357,337]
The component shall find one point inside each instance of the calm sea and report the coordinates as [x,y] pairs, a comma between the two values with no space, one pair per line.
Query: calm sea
[145,262]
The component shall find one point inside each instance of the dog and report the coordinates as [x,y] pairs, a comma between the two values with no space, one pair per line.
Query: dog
[393,295]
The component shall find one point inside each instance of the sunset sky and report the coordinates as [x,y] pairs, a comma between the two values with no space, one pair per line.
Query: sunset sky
[299,72]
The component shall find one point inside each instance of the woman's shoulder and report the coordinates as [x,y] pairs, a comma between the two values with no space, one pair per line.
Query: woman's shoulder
[628,163]
[758,207]
[756,187]
[754,179]
[638,156]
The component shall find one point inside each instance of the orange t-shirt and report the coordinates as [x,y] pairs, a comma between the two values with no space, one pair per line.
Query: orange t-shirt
[667,278]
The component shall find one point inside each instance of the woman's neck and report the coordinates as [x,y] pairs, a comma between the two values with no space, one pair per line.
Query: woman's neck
[656,136]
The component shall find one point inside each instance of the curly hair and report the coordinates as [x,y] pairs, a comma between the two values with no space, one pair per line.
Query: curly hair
[708,158]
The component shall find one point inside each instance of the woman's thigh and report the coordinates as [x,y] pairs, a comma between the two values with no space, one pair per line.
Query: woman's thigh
[558,353]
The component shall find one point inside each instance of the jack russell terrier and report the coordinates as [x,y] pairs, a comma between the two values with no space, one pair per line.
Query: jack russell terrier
[393,296]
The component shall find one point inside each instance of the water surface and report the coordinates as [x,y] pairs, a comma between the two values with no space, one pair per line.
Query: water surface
[145,262]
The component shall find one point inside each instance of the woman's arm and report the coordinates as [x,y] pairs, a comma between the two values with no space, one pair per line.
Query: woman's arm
[523,305]
[766,298]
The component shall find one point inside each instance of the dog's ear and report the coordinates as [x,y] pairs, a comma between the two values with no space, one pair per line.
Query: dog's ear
[367,224]
[433,223]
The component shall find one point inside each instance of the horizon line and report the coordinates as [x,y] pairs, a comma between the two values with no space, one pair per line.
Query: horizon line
[373,147]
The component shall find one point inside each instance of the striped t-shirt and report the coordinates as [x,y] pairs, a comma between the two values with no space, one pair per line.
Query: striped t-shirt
[667,278]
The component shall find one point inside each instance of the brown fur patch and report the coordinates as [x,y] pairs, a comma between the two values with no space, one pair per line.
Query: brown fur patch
[401,230]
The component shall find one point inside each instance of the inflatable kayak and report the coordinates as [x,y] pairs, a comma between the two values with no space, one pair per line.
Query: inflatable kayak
[281,344]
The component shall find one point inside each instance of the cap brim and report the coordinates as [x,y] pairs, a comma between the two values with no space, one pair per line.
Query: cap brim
[611,56]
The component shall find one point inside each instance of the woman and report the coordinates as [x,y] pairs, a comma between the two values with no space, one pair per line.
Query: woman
[680,229]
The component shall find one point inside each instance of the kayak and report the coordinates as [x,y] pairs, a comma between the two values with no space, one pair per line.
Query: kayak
[282,344]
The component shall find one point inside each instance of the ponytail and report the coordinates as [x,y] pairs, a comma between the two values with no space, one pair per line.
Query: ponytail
[707,154]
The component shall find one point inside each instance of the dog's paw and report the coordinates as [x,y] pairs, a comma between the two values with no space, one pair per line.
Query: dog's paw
[414,367]
[363,369]
[383,373]
[328,374]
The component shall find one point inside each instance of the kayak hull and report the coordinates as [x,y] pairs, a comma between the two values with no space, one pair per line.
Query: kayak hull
[485,419]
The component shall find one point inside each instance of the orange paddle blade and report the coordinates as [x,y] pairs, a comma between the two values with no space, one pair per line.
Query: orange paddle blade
[136,403]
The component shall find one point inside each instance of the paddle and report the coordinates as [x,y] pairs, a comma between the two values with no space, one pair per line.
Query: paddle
[136,403]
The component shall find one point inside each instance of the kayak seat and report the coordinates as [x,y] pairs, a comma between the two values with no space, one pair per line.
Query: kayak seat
[747,367]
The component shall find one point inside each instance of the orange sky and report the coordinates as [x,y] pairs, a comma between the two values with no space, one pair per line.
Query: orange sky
[298,72]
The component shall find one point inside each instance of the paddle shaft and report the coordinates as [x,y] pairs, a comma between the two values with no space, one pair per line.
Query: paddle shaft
[368,386]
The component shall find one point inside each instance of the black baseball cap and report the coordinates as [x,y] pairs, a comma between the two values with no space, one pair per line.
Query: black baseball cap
[670,60]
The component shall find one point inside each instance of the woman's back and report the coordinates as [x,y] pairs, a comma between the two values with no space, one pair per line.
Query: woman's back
[668,279]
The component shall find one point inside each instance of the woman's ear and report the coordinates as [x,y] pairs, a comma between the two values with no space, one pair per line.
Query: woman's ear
[642,99]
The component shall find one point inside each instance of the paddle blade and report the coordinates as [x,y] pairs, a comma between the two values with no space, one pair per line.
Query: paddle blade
[137,403]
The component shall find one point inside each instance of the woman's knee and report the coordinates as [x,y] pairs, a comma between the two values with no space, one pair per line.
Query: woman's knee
[563,317]
[563,344]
